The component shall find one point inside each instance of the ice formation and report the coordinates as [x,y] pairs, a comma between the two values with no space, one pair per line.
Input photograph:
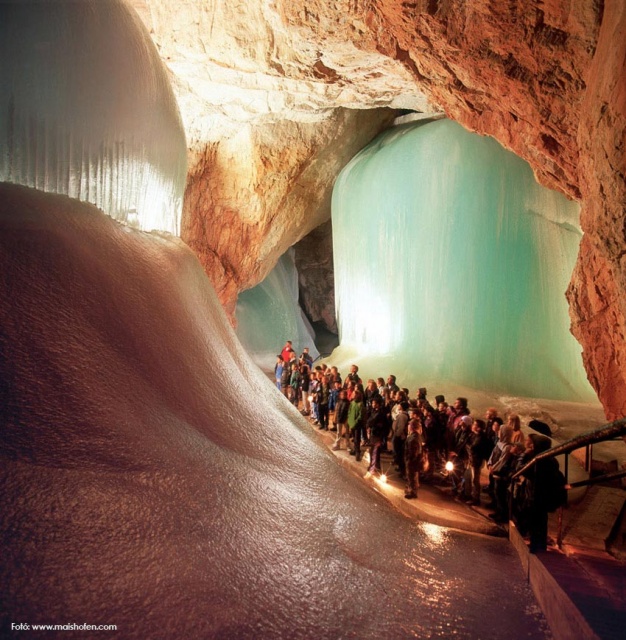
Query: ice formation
[153,478]
[86,109]
[269,314]
[451,264]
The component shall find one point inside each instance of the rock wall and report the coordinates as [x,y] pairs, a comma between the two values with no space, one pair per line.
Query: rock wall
[314,261]
[249,198]
[545,78]
[597,293]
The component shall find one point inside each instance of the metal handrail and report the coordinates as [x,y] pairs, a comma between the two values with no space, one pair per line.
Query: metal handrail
[607,432]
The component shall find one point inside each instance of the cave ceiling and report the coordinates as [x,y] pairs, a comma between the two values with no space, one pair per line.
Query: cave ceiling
[277,96]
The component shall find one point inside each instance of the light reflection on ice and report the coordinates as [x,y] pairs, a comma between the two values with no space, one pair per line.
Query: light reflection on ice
[435,534]
[86,110]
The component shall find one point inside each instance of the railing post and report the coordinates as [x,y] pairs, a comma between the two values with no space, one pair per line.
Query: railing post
[559,535]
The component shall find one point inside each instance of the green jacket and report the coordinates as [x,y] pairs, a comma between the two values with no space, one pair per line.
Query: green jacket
[356,414]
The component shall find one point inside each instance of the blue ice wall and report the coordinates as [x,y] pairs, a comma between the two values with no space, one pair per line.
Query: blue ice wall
[269,314]
[86,110]
[451,262]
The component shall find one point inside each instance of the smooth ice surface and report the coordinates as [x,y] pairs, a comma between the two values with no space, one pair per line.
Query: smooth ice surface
[269,314]
[86,109]
[451,263]
[153,478]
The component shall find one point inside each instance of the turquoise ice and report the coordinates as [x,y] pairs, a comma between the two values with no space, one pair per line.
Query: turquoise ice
[269,314]
[452,262]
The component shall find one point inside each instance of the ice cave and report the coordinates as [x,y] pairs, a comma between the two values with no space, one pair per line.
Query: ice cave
[161,166]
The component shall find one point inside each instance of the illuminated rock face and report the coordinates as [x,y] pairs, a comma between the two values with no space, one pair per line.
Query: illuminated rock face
[542,78]
[251,197]
[87,110]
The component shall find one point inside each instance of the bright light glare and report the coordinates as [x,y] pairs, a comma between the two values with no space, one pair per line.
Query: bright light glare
[449,466]
[435,533]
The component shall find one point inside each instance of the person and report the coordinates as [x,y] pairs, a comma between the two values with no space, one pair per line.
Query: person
[514,422]
[323,396]
[305,357]
[478,451]
[353,376]
[356,422]
[335,376]
[459,456]
[536,491]
[501,471]
[314,386]
[305,384]
[285,379]
[341,418]
[371,392]
[412,458]
[400,432]
[278,370]
[455,413]
[391,384]
[377,428]
[434,440]
[286,352]
[493,422]
[294,384]
[333,397]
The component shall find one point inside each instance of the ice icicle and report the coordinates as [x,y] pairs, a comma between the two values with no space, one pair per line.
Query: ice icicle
[86,110]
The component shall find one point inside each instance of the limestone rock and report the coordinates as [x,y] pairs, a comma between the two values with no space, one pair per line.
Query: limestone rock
[249,198]
[597,293]
[314,261]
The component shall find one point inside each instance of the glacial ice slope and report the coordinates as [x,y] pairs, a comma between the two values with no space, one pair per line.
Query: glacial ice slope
[152,477]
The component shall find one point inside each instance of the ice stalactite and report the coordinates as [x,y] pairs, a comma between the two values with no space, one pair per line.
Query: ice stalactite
[269,314]
[451,262]
[87,110]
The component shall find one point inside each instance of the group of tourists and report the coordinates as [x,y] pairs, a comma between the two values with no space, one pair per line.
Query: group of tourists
[430,442]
